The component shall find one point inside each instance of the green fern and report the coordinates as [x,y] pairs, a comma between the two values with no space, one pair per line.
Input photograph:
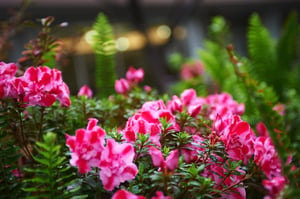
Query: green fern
[52,177]
[286,51]
[104,46]
[261,49]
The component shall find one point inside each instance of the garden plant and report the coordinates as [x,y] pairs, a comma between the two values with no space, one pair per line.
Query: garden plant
[235,135]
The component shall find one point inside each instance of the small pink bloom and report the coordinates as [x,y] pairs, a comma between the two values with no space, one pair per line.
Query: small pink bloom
[223,104]
[274,186]
[194,110]
[160,195]
[123,194]
[85,91]
[116,164]
[280,108]
[122,86]
[262,129]
[147,88]
[135,75]
[171,162]
[191,70]
[175,105]
[266,157]
[187,96]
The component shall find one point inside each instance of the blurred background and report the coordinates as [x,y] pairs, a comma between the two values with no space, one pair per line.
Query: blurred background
[147,32]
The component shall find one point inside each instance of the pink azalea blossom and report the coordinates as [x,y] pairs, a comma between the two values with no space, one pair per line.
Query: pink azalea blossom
[274,186]
[187,96]
[262,129]
[122,86]
[223,104]
[147,88]
[135,75]
[237,137]
[45,85]
[191,151]
[147,121]
[266,157]
[175,105]
[85,91]
[7,74]
[168,164]
[123,194]
[116,164]
[216,172]
[280,109]
[86,146]
[160,195]
[191,70]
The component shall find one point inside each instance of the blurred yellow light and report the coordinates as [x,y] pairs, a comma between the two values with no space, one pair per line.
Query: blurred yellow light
[133,40]
[122,43]
[180,32]
[89,36]
[159,35]
[163,32]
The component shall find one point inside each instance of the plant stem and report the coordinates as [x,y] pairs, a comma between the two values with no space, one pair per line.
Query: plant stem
[41,123]
[26,150]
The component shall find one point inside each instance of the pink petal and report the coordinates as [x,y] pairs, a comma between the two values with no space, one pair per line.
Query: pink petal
[157,156]
[172,160]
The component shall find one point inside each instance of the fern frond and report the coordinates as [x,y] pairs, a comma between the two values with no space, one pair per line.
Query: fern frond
[104,46]
[261,49]
[51,176]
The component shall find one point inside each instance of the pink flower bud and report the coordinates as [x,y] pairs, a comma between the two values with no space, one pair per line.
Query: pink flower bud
[85,91]
[134,75]
[122,86]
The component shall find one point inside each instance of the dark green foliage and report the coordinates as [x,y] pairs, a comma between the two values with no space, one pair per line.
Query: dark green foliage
[51,177]
[104,46]
[10,184]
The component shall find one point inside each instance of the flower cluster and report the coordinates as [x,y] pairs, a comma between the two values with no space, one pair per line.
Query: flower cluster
[133,77]
[114,160]
[40,85]
[227,133]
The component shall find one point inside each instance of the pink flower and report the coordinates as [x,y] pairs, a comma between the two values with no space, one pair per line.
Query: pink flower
[85,91]
[7,75]
[187,96]
[147,121]
[147,88]
[191,70]
[116,164]
[122,86]
[194,109]
[223,104]
[280,109]
[262,129]
[237,137]
[274,186]
[266,157]
[86,146]
[123,194]
[134,75]
[171,162]
[191,151]
[175,105]
[160,195]
[45,85]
